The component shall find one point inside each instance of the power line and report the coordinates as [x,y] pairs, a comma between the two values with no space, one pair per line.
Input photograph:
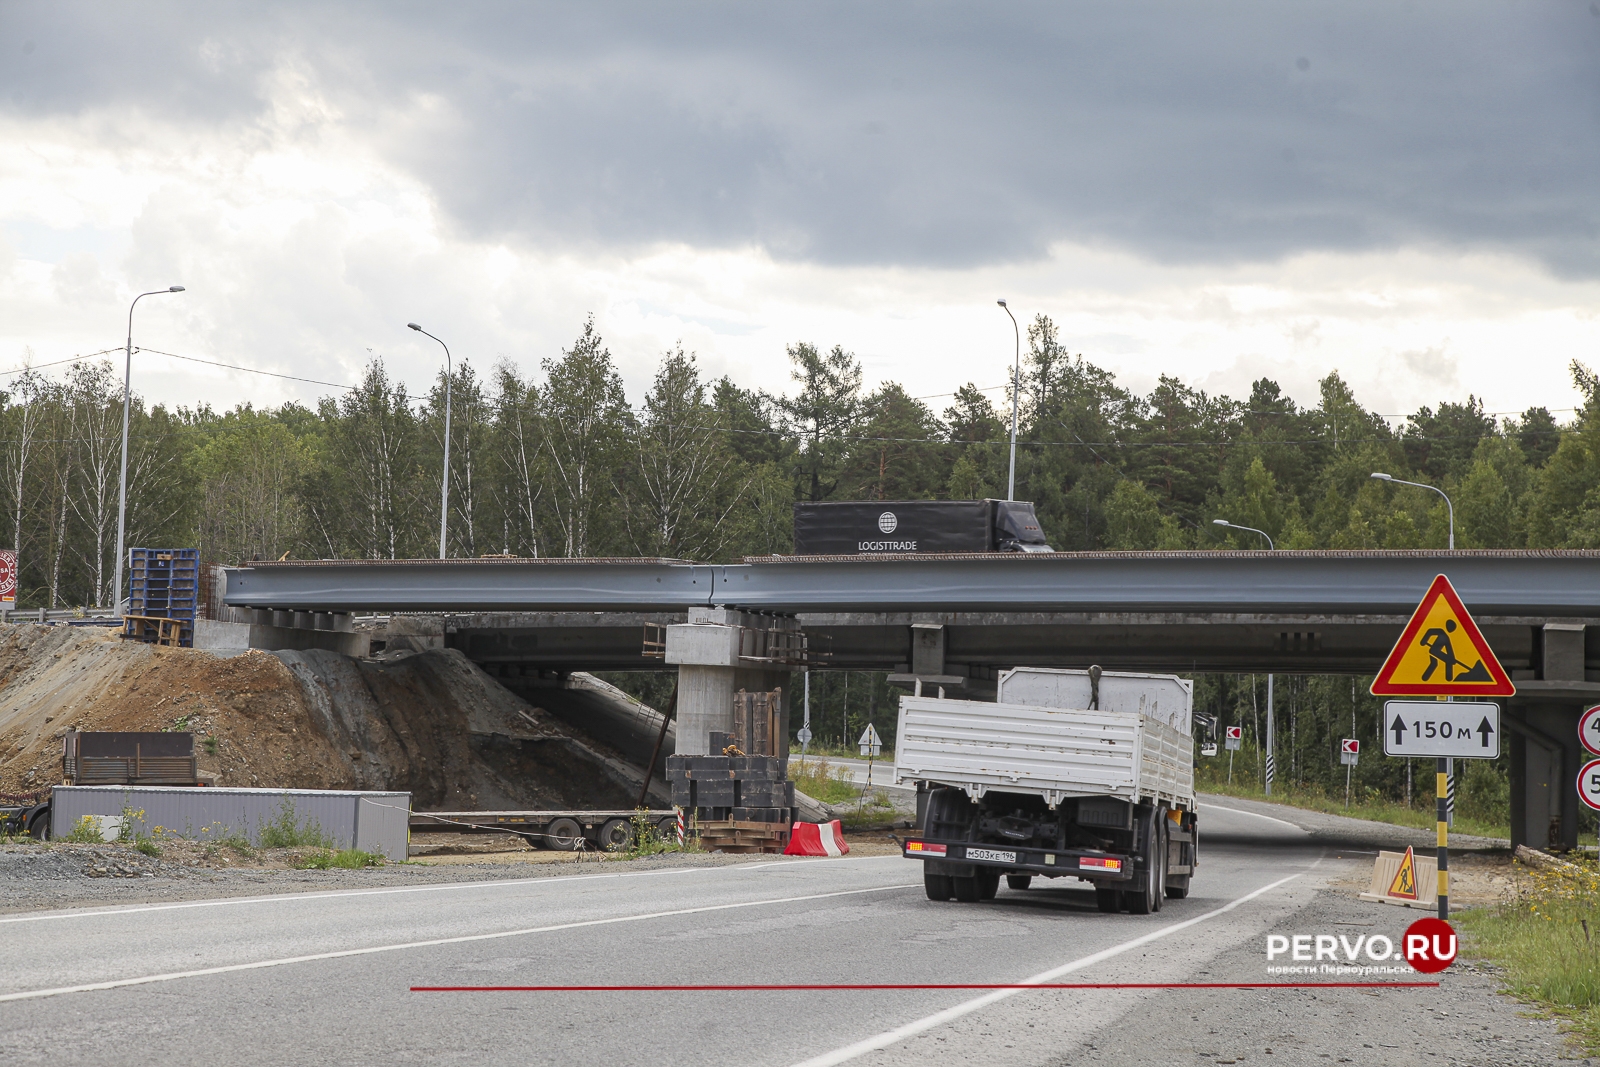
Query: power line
[250,370]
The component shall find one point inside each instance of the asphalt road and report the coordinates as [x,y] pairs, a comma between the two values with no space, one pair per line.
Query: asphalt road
[325,978]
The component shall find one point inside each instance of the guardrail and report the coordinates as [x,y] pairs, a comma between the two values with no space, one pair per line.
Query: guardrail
[49,615]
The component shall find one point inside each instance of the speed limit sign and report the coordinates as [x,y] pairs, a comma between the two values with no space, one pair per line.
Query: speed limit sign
[1589,729]
[1589,784]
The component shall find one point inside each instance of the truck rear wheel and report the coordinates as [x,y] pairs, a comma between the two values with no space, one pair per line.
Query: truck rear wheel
[1108,900]
[616,835]
[1018,881]
[937,886]
[988,883]
[966,890]
[1148,900]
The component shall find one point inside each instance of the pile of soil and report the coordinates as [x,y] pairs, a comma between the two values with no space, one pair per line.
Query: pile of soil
[430,723]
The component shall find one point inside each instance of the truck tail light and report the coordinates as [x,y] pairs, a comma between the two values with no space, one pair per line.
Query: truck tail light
[925,847]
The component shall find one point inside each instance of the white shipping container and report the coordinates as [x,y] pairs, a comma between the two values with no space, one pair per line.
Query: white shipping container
[371,821]
[1052,752]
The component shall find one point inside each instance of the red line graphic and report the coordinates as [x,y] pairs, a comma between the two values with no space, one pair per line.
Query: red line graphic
[820,986]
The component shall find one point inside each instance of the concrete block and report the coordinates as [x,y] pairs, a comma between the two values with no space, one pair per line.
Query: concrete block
[703,645]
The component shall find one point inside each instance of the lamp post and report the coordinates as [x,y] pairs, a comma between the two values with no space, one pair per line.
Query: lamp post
[122,496]
[444,492]
[1392,480]
[1016,397]
[1271,769]
[1247,529]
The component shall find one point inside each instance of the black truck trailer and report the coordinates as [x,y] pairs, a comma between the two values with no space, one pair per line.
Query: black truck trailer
[870,527]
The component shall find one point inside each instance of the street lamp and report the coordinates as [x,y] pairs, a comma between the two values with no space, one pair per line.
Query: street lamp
[122,499]
[1247,529]
[1271,769]
[1391,479]
[1016,397]
[444,493]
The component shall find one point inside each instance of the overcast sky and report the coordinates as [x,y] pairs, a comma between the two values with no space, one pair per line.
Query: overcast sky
[1407,193]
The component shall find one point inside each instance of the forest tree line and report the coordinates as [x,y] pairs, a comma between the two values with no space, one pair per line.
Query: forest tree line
[561,463]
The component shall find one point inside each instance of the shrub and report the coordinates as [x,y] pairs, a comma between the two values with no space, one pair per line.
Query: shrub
[346,858]
[287,832]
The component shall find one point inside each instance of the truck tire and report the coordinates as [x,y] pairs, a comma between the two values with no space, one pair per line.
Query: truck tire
[1108,900]
[988,883]
[966,890]
[1148,900]
[616,835]
[1178,884]
[949,814]
[937,886]
[1177,887]
[39,828]
[563,835]
[1018,881]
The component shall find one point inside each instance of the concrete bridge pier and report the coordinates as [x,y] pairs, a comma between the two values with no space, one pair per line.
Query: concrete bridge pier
[1545,752]
[718,652]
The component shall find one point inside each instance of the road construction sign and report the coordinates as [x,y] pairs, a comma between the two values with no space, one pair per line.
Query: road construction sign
[1442,653]
[1457,730]
[1589,729]
[1234,737]
[1349,751]
[1589,784]
[1404,883]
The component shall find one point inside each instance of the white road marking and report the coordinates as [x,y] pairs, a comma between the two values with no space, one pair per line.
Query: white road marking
[1257,814]
[549,880]
[911,1029]
[89,987]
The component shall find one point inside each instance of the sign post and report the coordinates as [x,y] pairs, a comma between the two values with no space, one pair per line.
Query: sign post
[871,746]
[1349,755]
[1235,735]
[1442,654]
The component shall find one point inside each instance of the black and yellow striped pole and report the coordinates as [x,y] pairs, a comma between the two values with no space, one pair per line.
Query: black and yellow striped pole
[1442,777]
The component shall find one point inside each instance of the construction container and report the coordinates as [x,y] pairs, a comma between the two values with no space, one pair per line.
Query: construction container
[105,758]
[370,821]
[163,588]
[870,527]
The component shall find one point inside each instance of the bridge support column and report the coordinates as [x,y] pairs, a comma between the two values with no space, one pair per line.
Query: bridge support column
[1542,720]
[710,651]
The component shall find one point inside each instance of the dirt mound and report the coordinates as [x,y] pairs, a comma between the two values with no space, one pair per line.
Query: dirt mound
[430,723]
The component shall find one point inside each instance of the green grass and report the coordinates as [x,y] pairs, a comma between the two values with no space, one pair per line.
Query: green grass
[832,751]
[351,859]
[1371,807]
[818,779]
[1547,939]
[286,832]
[85,832]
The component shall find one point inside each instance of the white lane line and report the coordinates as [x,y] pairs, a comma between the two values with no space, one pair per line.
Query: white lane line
[89,987]
[1257,814]
[548,880]
[911,1029]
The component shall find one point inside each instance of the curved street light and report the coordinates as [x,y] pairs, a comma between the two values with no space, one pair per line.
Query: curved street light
[122,497]
[1271,768]
[1016,397]
[444,492]
[1247,529]
[1391,479]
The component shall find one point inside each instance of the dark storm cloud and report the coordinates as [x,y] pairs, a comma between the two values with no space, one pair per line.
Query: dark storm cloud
[910,134]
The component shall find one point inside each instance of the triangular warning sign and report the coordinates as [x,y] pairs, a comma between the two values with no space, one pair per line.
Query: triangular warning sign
[1405,879]
[1442,653]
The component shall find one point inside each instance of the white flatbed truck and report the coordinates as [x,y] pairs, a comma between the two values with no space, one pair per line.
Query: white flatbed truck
[1082,774]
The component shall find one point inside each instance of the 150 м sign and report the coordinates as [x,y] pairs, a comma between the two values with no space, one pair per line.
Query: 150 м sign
[1435,728]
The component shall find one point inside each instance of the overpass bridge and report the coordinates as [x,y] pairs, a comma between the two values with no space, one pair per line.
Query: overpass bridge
[955,621]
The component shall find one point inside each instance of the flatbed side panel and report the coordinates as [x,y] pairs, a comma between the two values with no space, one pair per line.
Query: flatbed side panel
[1021,748]
[1166,764]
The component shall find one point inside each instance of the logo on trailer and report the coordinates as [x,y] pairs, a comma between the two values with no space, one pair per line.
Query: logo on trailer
[887,523]
[1442,653]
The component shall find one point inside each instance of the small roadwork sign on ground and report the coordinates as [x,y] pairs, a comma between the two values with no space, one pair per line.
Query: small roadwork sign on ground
[1442,653]
[1405,878]
[1434,728]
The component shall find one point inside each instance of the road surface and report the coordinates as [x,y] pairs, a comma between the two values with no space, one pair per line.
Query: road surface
[326,978]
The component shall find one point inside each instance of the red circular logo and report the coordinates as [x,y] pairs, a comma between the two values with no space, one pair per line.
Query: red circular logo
[1430,945]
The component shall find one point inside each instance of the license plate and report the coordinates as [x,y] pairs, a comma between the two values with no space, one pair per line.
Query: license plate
[991,855]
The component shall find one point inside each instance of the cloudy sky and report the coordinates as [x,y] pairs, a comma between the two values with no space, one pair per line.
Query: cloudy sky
[1408,193]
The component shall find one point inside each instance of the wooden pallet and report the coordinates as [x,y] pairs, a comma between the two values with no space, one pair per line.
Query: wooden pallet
[741,837]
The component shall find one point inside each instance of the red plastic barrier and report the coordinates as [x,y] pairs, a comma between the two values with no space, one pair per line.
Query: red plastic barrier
[816,839]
